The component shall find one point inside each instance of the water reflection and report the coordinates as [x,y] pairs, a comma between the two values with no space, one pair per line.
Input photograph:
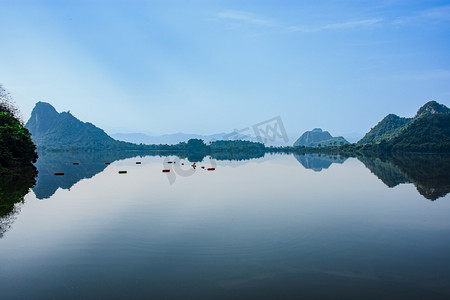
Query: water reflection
[89,164]
[429,173]
[246,231]
[13,187]
[319,161]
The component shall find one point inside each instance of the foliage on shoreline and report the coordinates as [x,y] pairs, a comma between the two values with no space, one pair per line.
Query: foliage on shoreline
[16,147]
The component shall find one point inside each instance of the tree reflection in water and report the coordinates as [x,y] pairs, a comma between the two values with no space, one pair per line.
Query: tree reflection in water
[13,188]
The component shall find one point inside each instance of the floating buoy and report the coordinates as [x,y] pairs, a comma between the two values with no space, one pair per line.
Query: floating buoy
[122,172]
[107,163]
[166,170]
[211,169]
[59,174]
[203,167]
[170,162]
[138,162]
[182,164]
[75,164]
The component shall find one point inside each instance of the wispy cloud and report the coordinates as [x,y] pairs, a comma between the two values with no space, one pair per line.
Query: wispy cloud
[440,13]
[336,26]
[437,13]
[245,17]
[242,17]
[352,24]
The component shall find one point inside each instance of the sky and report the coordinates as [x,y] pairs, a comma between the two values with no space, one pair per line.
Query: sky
[206,67]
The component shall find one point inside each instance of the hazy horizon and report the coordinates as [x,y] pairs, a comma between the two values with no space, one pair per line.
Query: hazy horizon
[210,67]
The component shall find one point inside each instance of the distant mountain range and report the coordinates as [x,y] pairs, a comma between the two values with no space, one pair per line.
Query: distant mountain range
[319,138]
[428,131]
[53,130]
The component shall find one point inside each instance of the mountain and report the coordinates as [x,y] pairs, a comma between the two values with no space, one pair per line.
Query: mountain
[52,130]
[318,138]
[432,108]
[386,129]
[428,131]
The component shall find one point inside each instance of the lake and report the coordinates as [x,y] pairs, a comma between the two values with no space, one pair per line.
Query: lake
[281,226]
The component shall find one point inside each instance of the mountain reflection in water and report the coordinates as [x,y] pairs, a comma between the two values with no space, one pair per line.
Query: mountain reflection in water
[429,173]
[92,163]
[319,161]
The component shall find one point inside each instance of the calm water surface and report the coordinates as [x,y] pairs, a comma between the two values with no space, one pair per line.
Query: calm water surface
[277,227]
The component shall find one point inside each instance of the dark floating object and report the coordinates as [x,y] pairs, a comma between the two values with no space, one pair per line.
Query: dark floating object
[203,167]
[182,164]
[166,171]
[211,169]
[75,164]
[107,163]
[122,172]
[138,162]
[59,173]
[170,162]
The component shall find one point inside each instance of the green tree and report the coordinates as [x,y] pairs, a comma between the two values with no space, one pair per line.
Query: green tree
[16,147]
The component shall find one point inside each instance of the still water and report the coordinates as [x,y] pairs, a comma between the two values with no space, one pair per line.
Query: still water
[274,227]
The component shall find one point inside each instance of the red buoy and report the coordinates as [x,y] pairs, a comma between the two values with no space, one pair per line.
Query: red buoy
[107,163]
[75,164]
[122,172]
[203,167]
[59,173]
[182,164]
[166,170]
[211,169]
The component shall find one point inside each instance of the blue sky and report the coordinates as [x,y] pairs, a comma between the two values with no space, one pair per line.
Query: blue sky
[213,66]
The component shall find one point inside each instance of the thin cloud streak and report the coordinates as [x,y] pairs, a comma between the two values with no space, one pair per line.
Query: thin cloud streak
[244,17]
[336,26]
[251,19]
[440,13]
[437,13]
